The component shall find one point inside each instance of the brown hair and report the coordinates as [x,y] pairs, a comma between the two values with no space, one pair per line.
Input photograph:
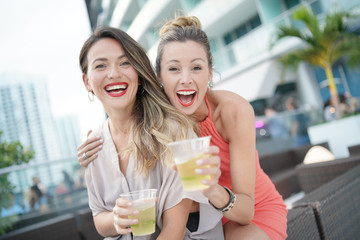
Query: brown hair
[156,121]
[181,29]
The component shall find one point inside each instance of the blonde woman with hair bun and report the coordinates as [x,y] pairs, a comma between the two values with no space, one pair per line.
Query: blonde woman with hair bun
[252,207]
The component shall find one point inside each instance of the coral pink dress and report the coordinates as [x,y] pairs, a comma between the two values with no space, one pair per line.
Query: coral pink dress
[270,210]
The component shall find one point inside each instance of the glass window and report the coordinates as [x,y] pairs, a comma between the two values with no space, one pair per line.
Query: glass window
[255,22]
[228,38]
[291,3]
[190,4]
[240,31]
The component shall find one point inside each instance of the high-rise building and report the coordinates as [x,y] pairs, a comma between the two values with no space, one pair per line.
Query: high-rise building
[26,116]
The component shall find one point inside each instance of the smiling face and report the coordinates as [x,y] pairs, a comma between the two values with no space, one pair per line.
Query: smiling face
[185,74]
[110,75]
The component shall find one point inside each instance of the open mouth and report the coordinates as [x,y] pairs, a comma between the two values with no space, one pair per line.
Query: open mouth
[116,89]
[186,97]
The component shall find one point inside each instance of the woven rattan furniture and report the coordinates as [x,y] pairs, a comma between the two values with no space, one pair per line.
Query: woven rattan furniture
[336,206]
[354,150]
[302,224]
[311,176]
[58,228]
[280,167]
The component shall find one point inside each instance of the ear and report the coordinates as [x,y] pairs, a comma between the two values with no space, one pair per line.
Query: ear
[86,82]
[210,74]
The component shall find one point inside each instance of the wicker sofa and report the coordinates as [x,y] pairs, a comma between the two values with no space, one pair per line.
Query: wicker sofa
[335,208]
[281,168]
[311,176]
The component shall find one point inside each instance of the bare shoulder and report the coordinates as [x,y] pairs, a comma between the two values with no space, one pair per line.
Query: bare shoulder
[229,103]
[232,114]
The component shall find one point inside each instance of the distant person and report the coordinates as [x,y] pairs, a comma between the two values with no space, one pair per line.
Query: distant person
[40,191]
[13,209]
[276,124]
[68,181]
[299,123]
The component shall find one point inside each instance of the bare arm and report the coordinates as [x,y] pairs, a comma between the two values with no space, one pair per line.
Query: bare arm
[236,124]
[174,221]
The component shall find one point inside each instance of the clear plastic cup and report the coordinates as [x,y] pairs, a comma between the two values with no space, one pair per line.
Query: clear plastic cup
[144,202]
[185,154]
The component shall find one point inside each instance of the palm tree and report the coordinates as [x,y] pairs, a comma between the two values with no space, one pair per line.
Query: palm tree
[326,43]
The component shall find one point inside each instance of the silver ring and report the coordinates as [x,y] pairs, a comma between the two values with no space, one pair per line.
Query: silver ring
[84,156]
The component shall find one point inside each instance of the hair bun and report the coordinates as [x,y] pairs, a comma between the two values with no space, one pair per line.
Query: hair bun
[180,22]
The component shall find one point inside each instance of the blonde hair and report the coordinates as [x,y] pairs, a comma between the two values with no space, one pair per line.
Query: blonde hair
[156,121]
[182,29]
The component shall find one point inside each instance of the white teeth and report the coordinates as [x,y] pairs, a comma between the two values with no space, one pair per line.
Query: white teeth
[185,92]
[115,87]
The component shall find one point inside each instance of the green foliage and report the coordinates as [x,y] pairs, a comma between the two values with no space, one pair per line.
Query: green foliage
[325,43]
[12,153]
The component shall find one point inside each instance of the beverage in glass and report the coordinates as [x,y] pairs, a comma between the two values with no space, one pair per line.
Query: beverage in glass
[186,153]
[144,202]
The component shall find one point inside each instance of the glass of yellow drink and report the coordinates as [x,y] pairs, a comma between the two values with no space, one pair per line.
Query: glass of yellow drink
[185,153]
[144,202]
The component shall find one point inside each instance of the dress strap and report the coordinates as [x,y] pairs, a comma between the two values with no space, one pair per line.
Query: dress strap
[208,106]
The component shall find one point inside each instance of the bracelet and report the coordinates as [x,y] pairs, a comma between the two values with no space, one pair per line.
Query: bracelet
[230,204]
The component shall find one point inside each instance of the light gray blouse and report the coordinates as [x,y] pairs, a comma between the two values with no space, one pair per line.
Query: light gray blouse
[105,182]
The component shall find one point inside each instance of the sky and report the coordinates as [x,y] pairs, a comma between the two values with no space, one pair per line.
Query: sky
[43,38]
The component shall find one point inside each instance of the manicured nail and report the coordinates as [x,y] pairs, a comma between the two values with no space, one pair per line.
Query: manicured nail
[135,212]
[199,162]
[134,221]
[198,171]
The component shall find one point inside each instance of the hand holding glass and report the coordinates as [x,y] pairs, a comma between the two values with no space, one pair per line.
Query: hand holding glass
[144,202]
[186,153]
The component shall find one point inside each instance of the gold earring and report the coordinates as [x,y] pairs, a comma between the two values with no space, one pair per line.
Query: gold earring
[210,84]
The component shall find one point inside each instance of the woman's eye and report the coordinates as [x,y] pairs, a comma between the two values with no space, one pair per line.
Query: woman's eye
[197,68]
[100,66]
[172,69]
[125,63]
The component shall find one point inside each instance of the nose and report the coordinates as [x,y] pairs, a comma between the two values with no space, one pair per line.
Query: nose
[114,72]
[186,78]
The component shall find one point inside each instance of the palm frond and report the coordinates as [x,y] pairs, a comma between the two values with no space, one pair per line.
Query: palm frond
[309,19]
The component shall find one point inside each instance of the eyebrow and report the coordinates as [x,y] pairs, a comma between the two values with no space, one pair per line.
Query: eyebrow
[195,59]
[105,59]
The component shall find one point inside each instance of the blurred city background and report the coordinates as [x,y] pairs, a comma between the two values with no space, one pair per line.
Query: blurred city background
[44,106]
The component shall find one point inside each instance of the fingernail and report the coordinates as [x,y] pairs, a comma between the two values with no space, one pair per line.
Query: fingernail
[136,212]
[199,162]
[129,203]
[204,182]
[101,140]
[198,171]
[134,221]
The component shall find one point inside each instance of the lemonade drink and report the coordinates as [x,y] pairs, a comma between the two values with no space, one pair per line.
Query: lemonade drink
[186,167]
[143,201]
[146,224]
